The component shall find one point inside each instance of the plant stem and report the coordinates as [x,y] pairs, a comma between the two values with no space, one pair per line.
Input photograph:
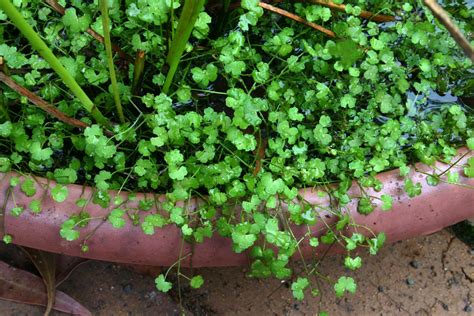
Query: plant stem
[189,14]
[456,33]
[296,18]
[3,105]
[39,102]
[38,44]
[110,58]
[380,18]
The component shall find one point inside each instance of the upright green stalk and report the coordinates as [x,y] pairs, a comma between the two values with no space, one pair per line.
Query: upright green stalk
[138,71]
[110,59]
[38,44]
[186,22]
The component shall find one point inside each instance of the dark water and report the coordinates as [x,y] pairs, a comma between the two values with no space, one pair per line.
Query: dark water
[420,107]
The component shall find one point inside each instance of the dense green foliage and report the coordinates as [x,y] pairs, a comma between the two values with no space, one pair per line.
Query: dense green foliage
[259,107]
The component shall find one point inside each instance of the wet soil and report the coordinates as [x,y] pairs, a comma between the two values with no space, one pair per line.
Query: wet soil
[431,275]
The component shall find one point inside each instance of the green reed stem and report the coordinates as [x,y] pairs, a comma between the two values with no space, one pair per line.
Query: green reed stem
[110,59]
[187,19]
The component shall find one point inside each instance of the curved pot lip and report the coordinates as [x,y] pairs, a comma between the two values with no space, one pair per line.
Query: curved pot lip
[130,245]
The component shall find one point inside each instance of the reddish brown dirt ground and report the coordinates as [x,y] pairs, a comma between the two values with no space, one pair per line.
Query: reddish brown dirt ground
[431,275]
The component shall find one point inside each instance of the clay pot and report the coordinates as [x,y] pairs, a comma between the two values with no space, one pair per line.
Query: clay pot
[437,207]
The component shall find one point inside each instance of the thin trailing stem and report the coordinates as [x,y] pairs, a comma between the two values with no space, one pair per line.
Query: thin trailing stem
[110,58]
[456,33]
[454,164]
[45,52]
[296,18]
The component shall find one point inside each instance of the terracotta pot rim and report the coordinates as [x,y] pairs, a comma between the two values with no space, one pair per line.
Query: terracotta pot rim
[130,245]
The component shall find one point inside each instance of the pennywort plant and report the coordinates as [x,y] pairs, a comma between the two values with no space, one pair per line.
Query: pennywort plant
[38,44]
[239,106]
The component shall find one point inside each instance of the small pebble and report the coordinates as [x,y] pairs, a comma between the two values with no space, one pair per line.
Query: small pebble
[445,306]
[127,288]
[468,308]
[150,296]
[380,289]
[410,281]
[414,264]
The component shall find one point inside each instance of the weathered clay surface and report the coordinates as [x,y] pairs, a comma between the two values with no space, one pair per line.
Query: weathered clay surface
[438,207]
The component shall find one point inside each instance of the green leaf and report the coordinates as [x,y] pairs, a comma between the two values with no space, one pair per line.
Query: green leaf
[101,180]
[235,68]
[411,188]
[469,169]
[28,187]
[7,239]
[81,202]
[174,157]
[74,23]
[365,206]
[470,143]
[342,222]
[387,202]
[204,76]
[178,173]
[6,129]
[404,170]
[376,243]
[5,164]
[347,51]
[314,242]
[35,206]
[345,284]
[294,115]
[151,221]
[116,218]
[353,263]
[328,238]
[162,285]
[14,181]
[243,241]
[186,230]
[65,176]
[202,232]
[17,211]
[453,177]
[298,288]
[68,231]
[59,193]
[37,153]
[425,65]
[196,282]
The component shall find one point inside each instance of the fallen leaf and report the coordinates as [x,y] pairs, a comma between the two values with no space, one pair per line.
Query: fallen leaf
[45,263]
[24,287]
